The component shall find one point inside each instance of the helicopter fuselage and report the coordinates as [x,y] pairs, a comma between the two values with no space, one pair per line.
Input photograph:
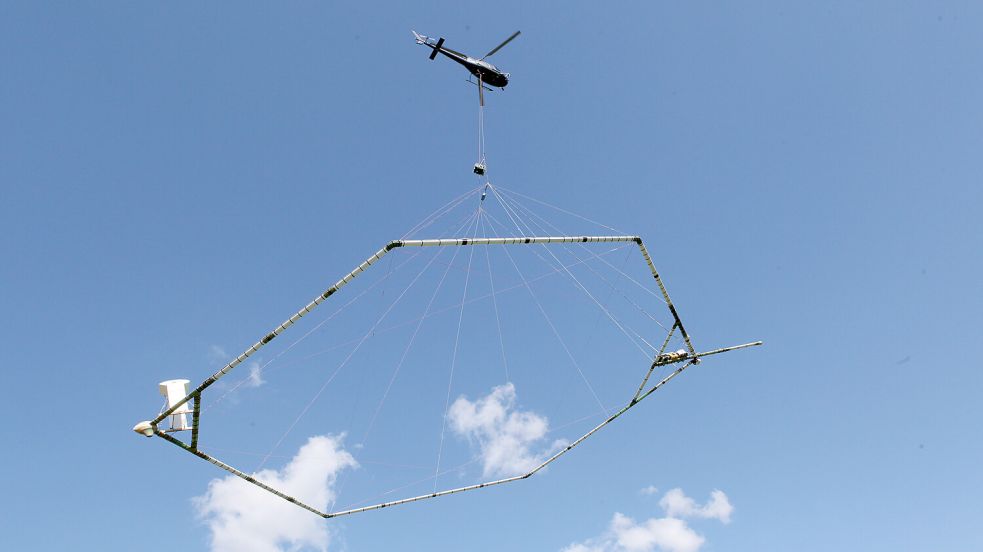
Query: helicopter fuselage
[488,73]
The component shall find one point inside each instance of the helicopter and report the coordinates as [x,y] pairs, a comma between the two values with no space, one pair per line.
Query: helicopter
[484,71]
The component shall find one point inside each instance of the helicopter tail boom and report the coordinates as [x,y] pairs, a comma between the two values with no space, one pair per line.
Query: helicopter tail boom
[426,41]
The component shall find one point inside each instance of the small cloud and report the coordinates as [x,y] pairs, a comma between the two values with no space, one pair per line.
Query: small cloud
[677,504]
[627,535]
[650,490]
[255,377]
[217,353]
[665,534]
[506,436]
[244,518]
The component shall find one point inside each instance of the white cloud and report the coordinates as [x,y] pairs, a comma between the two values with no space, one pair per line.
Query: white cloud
[664,534]
[255,377]
[244,518]
[677,504]
[217,353]
[505,436]
[650,490]
[626,535]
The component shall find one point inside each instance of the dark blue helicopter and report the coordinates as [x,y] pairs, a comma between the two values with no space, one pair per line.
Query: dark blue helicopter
[484,71]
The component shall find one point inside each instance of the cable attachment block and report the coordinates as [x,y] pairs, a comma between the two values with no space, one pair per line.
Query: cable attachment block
[669,358]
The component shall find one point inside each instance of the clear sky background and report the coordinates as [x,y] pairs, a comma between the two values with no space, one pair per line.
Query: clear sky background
[177,179]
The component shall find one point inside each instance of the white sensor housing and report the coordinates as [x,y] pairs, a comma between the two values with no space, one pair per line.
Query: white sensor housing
[175,390]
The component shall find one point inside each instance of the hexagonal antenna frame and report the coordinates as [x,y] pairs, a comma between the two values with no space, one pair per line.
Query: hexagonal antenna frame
[684,358]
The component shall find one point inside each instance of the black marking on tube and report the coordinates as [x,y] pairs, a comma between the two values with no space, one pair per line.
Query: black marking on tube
[329,292]
[675,314]
[528,240]
[464,242]
[393,245]
[679,323]
[268,338]
[585,239]
[638,240]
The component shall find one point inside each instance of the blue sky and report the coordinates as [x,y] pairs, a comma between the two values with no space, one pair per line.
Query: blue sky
[177,180]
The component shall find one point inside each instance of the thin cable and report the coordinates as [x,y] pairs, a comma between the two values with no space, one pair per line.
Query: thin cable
[417,482]
[211,450]
[574,278]
[481,132]
[406,350]
[603,308]
[556,333]
[627,331]
[560,209]
[607,301]
[427,221]
[396,326]
[476,215]
[263,368]
[498,319]
[623,273]
[605,280]
[589,252]
[457,340]
[344,477]
[441,211]
[345,362]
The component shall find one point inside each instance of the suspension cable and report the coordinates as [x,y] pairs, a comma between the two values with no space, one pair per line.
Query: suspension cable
[577,281]
[457,341]
[346,360]
[556,333]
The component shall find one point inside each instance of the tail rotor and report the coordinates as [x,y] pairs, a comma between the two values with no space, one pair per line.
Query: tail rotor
[436,48]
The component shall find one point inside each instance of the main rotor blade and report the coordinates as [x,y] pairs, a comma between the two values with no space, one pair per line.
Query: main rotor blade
[446,49]
[499,47]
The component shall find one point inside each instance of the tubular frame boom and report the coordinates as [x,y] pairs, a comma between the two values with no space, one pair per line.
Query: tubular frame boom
[692,357]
